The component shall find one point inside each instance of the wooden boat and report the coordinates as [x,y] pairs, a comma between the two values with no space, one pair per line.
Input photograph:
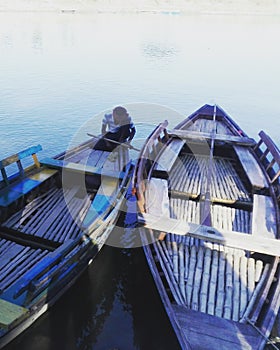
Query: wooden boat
[56,215]
[208,199]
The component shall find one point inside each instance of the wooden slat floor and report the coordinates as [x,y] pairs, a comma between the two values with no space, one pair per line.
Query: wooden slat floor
[226,218]
[210,278]
[206,125]
[97,158]
[189,174]
[54,216]
[47,216]
[15,261]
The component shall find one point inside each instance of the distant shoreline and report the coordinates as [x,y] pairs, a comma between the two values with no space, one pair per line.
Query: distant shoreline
[224,7]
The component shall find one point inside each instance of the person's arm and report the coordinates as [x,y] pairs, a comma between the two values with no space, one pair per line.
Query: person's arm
[103,129]
[105,124]
[132,132]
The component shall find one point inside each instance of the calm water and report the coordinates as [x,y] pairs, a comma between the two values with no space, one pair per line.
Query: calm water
[60,72]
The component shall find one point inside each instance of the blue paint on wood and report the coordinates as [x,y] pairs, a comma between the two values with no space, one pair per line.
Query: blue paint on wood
[29,151]
[7,197]
[25,186]
[18,156]
[100,203]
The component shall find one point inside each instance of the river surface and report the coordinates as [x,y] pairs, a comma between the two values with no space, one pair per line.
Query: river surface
[61,72]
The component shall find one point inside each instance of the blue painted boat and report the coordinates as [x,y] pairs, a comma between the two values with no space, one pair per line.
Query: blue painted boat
[56,214]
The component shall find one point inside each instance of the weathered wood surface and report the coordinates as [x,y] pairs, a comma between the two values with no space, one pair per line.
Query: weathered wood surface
[25,180]
[273,149]
[21,258]
[18,156]
[10,313]
[204,125]
[101,201]
[264,217]
[80,168]
[169,155]
[25,239]
[157,201]
[43,175]
[206,332]
[204,137]
[54,216]
[232,239]
[80,156]
[218,281]
[251,168]
[189,173]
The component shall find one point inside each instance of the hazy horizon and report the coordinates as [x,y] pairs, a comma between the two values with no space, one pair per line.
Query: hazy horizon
[271,7]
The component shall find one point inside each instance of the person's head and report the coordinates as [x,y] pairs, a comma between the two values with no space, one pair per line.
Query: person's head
[120,115]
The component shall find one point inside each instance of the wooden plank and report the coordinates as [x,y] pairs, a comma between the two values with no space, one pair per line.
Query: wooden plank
[273,149]
[229,238]
[92,158]
[41,209]
[26,239]
[80,168]
[23,154]
[275,177]
[43,175]
[101,202]
[10,254]
[25,186]
[251,167]
[14,192]
[11,312]
[50,219]
[169,155]
[13,266]
[204,137]
[5,177]
[102,159]
[201,331]
[7,197]
[157,202]
[22,266]
[263,217]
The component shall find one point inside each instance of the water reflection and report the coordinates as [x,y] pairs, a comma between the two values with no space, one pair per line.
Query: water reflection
[114,305]
[157,51]
[37,40]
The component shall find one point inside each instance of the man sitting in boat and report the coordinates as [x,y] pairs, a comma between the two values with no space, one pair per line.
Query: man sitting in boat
[108,123]
[121,130]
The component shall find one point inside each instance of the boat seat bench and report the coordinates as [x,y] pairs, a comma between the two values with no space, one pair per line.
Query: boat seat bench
[20,184]
[204,137]
[263,217]
[169,155]
[233,239]
[251,168]
[80,168]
